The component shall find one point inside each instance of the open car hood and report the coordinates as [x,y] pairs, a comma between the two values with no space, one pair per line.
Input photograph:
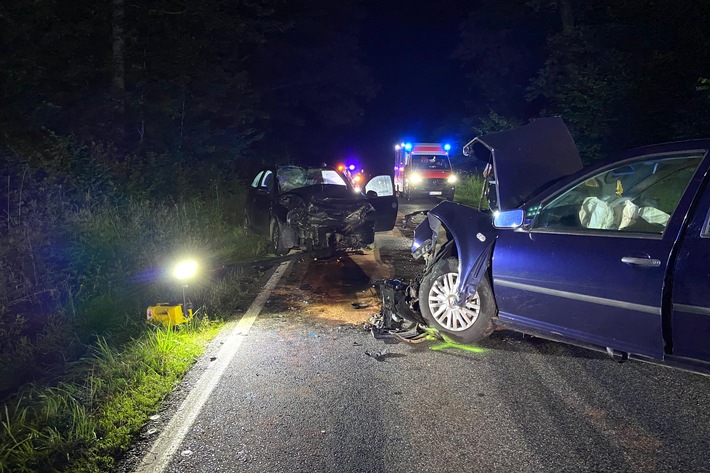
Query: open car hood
[526,160]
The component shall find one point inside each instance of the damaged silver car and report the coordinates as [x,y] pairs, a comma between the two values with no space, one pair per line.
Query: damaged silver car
[317,209]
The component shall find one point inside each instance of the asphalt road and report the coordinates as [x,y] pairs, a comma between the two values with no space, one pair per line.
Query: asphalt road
[308,390]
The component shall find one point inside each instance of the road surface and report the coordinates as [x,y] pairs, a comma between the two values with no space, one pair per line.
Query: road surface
[308,390]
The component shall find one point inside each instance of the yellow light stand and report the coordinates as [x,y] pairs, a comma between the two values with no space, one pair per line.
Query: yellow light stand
[168,315]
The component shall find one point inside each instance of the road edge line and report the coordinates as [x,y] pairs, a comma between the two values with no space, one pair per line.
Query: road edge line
[167,443]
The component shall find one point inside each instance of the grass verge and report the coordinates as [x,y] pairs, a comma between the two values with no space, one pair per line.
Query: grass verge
[84,423]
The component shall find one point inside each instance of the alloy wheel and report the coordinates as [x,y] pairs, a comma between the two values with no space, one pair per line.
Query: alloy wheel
[444,304]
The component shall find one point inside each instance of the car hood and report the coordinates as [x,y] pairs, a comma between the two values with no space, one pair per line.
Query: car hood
[527,159]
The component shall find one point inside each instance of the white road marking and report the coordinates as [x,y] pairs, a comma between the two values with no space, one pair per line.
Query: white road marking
[160,454]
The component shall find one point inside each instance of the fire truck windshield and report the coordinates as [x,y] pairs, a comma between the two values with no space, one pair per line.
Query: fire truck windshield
[424,161]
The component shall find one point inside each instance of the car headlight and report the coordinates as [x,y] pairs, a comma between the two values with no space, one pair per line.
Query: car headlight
[452,179]
[415,178]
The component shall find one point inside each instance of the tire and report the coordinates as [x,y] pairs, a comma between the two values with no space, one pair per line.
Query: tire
[469,324]
[276,243]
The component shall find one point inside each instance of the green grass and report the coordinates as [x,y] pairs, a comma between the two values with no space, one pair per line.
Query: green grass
[469,191]
[77,391]
[85,422]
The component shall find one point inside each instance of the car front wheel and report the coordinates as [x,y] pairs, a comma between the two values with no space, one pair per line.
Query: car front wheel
[466,323]
[276,240]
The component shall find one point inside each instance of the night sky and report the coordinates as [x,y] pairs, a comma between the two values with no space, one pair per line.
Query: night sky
[408,47]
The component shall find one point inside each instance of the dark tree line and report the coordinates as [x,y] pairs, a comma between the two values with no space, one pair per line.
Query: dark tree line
[621,73]
[207,83]
[123,129]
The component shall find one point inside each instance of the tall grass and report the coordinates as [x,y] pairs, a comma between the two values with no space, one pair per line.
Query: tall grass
[101,266]
[83,423]
[84,256]
[470,191]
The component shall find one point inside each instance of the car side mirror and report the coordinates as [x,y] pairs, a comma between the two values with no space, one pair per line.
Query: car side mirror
[371,194]
[508,218]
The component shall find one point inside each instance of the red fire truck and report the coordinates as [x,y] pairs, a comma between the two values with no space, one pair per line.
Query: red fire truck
[423,169]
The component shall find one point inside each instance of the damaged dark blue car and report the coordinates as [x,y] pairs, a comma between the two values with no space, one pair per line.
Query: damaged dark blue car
[613,257]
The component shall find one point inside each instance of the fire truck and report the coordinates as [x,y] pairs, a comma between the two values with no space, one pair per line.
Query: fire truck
[422,169]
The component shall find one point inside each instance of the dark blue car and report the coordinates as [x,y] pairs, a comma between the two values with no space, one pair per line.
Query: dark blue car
[614,256]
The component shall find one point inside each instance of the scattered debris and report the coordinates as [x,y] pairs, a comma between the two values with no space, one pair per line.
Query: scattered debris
[398,321]
[379,356]
[155,417]
[361,305]
[186,453]
[383,355]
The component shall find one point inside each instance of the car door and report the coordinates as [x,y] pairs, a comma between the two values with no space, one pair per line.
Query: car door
[592,265]
[380,194]
[250,201]
[690,322]
[262,200]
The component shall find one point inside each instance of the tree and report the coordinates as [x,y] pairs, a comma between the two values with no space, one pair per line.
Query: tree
[620,74]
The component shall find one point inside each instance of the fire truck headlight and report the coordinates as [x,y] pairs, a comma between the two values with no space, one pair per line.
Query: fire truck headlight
[415,179]
[452,179]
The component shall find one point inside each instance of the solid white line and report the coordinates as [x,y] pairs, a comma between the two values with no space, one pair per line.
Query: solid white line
[159,456]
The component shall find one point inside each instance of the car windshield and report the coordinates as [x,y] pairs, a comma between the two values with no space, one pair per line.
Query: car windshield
[294,177]
[423,161]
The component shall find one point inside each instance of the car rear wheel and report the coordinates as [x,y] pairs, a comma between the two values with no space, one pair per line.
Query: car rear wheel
[276,241]
[467,323]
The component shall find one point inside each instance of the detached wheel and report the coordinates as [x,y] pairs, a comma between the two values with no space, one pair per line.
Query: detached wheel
[276,242]
[438,302]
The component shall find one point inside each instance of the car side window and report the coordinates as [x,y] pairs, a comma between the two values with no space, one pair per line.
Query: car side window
[638,197]
[382,185]
[268,181]
[706,227]
[257,179]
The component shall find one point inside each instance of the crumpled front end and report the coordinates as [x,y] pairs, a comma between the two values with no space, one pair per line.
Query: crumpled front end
[333,222]
[457,230]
